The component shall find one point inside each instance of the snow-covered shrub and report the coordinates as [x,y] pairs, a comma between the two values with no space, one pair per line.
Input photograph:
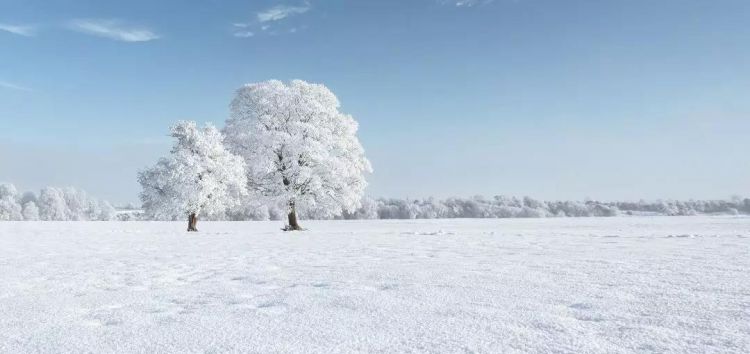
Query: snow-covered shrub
[506,211]
[432,209]
[533,203]
[55,204]
[528,212]
[106,211]
[30,211]
[248,209]
[76,202]
[10,208]
[52,206]
[367,210]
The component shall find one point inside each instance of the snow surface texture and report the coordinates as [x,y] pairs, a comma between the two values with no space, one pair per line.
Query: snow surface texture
[659,284]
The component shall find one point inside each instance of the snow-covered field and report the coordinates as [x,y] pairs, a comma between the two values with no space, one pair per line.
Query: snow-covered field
[658,284]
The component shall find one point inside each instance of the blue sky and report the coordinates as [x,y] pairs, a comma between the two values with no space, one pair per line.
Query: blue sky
[557,99]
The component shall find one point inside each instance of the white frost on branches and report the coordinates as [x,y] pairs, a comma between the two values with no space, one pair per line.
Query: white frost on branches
[10,209]
[199,177]
[299,148]
[53,204]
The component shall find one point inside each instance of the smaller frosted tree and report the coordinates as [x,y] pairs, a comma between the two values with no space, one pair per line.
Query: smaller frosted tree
[200,177]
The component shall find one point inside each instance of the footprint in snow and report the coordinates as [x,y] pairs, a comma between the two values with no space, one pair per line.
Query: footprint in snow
[271,307]
[580,306]
[104,316]
[388,287]
[582,313]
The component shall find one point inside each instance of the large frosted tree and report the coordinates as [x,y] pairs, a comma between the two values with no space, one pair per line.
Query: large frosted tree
[199,177]
[299,148]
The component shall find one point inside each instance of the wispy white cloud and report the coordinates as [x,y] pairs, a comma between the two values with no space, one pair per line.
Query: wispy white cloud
[12,86]
[242,30]
[281,12]
[113,29]
[21,30]
[266,21]
[466,3]
[244,34]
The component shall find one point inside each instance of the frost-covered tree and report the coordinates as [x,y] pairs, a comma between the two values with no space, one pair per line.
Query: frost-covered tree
[299,148]
[30,211]
[199,177]
[10,208]
[52,205]
[77,204]
[8,190]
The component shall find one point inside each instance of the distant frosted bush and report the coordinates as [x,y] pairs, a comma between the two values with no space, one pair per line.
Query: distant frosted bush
[30,211]
[52,204]
[10,208]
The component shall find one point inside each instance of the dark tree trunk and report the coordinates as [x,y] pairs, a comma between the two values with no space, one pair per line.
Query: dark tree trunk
[192,222]
[293,225]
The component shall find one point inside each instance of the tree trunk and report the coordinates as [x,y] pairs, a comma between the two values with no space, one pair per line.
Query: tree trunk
[293,225]
[192,222]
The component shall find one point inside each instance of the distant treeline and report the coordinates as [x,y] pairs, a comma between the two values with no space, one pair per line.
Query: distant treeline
[52,204]
[60,204]
[496,207]
[526,207]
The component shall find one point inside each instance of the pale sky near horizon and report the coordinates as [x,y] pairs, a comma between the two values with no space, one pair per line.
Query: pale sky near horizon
[574,99]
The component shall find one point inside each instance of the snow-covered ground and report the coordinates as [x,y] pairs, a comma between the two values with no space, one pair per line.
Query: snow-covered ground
[640,284]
